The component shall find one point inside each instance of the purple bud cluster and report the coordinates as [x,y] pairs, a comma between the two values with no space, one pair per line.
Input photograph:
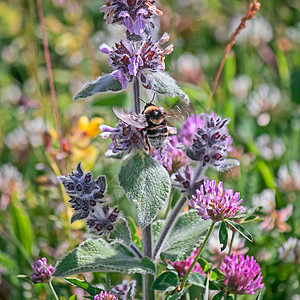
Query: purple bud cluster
[84,191]
[42,271]
[242,275]
[103,220]
[210,144]
[212,203]
[125,290]
[125,138]
[136,15]
[129,59]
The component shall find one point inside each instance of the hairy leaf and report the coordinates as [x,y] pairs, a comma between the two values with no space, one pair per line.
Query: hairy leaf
[101,84]
[121,233]
[187,233]
[146,184]
[100,256]
[196,279]
[162,83]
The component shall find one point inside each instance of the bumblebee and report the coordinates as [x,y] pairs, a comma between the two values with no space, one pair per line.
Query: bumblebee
[151,122]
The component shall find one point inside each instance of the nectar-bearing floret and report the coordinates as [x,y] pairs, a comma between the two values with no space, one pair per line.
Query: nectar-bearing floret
[212,203]
[42,271]
[84,191]
[125,138]
[183,266]
[106,296]
[242,275]
[103,220]
[130,58]
[136,15]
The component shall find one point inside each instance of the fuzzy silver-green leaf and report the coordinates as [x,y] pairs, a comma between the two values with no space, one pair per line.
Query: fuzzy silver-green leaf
[100,256]
[146,184]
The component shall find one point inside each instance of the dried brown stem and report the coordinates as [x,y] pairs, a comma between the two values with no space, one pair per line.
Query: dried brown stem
[51,84]
[253,8]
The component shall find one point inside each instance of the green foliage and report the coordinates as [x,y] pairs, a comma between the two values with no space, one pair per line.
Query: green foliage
[166,281]
[146,184]
[223,235]
[162,83]
[99,256]
[83,284]
[102,84]
[244,232]
[187,234]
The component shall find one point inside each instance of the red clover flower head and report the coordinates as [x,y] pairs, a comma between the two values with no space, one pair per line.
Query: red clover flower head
[242,275]
[134,14]
[125,138]
[84,191]
[130,58]
[183,266]
[106,296]
[125,290]
[212,203]
[211,142]
[42,271]
[103,220]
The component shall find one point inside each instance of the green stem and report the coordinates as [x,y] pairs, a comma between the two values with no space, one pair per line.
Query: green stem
[231,243]
[52,290]
[235,297]
[198,255]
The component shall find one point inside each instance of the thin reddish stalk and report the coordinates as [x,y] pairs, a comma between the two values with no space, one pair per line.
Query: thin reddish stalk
[51,84]
[253,8]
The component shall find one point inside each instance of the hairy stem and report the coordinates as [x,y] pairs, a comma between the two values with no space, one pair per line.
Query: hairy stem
[197,257]
[52,290]
[148,292]
[135,101]
[136,250]
[231,243]
[169,225]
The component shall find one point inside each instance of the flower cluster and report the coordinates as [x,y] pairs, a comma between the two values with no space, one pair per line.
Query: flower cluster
[183,266]
[170,156]
[129,59]
[42,271]
[211,143]
[125,138]
[84,191]
[184,181]
[242,275]
[212,203]
[102,221]
[106,296]
[134,14]
[125,290]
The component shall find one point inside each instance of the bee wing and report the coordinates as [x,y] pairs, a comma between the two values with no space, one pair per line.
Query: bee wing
[178,113]
[135,120]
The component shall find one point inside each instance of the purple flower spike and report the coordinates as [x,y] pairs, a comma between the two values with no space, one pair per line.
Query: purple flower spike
[212,204]
[106,296]
[125,138]
[84,191]
[42,271]
[242,275]
[103,220]
[135,15]
[129,59]
[183,266]
[125,290]
[211,143]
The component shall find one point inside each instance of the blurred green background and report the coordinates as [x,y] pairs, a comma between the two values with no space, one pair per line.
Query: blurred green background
[259,90]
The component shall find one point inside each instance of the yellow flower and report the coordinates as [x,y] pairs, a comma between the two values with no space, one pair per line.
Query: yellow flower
[91,128]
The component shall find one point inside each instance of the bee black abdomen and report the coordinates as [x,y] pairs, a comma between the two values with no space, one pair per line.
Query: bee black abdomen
[157,136]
